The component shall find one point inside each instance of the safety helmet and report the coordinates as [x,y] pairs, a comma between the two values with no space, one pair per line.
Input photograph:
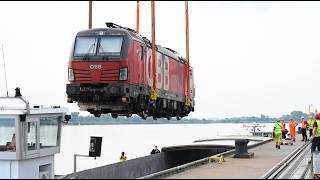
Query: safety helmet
[317,116]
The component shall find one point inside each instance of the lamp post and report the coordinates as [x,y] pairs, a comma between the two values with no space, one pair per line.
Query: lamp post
[94,151]
[75,161]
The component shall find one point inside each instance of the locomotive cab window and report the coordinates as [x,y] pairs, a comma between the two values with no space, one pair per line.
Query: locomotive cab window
[85,46]
[110,45]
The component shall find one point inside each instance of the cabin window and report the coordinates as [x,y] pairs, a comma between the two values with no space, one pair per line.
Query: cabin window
[85,46]
[32,135]
[49,127]
[7,134]
[110,45]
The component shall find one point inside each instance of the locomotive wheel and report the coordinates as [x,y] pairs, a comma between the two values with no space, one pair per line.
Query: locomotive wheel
[97,114]
[114,115]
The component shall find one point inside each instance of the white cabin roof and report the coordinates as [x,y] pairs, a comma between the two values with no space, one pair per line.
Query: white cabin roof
[33,111]
[15,109]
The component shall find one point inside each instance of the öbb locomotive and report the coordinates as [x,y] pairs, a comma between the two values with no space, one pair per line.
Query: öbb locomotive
[110,71]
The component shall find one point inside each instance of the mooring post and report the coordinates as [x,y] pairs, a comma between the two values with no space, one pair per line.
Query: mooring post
[241,146]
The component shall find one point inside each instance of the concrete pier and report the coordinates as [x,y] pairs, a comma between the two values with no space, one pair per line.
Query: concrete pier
[198,161]
[266,157]
[143,166]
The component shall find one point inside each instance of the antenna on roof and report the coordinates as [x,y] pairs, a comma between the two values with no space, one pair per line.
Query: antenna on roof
[5,72]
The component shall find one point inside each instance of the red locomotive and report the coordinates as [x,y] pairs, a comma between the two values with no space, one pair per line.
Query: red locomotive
[110,71]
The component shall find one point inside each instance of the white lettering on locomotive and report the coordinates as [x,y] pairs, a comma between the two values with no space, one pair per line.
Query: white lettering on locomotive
[95,66]
[159,71]
[166,79]
[148,66]
[162,70]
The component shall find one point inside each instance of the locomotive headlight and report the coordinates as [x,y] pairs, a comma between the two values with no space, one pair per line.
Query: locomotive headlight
[70,75]
[123,75]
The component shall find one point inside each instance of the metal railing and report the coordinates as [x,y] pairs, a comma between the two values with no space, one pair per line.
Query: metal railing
[279,169]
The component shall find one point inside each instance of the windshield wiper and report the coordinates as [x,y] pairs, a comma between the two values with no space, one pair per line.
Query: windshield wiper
[86,56]
[102,52]
[104,57]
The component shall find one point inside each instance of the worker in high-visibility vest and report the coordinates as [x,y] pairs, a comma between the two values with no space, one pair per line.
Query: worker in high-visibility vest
[304,129]
[123,157]
[316,132]
[292,125]
[277,131]
[310,126]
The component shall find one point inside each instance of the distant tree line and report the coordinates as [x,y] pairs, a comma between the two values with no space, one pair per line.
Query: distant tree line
[296,115]
[107,119]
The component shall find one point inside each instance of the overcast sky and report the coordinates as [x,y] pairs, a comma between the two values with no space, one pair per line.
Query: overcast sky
[249,58]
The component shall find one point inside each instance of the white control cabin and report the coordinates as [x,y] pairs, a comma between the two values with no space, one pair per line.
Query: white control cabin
[29,138]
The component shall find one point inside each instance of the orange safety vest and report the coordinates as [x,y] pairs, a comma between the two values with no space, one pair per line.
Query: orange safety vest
[292,124]
[304,124]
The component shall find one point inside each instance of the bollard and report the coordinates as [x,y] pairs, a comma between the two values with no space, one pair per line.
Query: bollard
[241,146]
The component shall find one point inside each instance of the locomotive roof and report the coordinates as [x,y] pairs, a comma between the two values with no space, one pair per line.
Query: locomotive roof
[134,35]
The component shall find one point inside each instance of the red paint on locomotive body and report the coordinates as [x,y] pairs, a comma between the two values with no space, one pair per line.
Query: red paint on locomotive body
[112,73]
[95,72]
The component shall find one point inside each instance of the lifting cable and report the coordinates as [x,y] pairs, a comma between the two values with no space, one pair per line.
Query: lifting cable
[153,95]
[138,16]
[187,69]
[90,14]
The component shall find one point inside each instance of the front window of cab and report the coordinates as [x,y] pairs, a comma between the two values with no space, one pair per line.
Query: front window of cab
[110,45]
[85,46]
[98,47]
